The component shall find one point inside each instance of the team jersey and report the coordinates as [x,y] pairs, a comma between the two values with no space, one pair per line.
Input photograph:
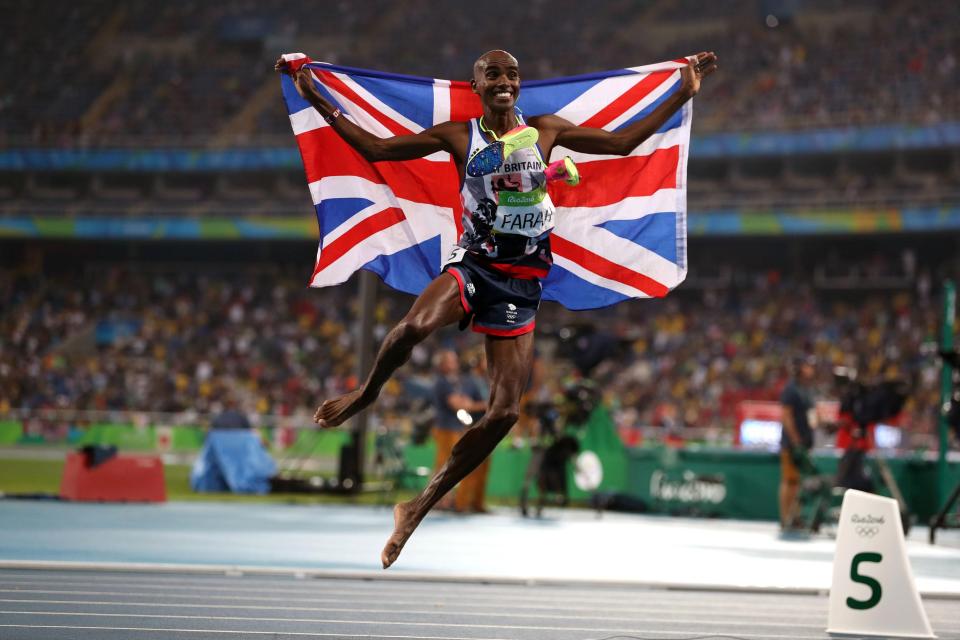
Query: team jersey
[508,215]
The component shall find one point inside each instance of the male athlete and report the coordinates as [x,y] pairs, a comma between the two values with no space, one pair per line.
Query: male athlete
[492,279]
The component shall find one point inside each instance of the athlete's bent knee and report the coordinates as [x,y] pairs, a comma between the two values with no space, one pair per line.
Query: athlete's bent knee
[503,418]
[411,331]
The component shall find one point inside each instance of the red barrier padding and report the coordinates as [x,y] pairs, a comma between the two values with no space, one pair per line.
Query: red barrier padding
[120,479]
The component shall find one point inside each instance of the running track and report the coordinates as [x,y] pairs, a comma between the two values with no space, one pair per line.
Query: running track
[103,605]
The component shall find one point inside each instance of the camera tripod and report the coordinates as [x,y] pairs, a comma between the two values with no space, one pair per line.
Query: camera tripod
[945,519]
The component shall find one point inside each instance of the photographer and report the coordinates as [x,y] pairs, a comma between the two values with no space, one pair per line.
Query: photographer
[557,442]
[862,406]
[853,437]
[796,439]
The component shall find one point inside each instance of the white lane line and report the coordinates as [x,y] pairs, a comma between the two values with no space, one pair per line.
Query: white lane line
[640,617]
[687,612]
[342,583]
[442,599]
[438,591]
[493,599]
[311,634]
[307,579]
[406,576]
[341,635]
[444,625]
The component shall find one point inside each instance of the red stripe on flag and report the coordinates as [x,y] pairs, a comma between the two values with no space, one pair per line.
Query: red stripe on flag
[606,182]
[325,153]
[605,268]
[363,230]
[632,96]
[340,87]
[464,103]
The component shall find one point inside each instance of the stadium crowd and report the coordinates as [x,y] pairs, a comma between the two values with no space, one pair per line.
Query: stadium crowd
[189,72]
[149,340]
[692,360]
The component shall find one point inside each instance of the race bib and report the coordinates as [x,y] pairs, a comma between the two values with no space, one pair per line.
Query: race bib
[456,255]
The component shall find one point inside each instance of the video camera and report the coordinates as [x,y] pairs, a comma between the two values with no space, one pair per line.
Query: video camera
[569,411]
[870,403]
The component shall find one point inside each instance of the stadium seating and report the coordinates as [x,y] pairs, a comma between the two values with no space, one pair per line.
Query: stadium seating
[171,338]
[820,111]
[137,83]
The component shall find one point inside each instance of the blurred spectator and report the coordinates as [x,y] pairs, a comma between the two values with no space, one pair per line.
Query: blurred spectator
[472,490]
[796,439]
[231,417]
[457,399]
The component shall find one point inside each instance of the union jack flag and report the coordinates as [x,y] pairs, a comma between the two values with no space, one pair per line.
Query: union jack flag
[620,234]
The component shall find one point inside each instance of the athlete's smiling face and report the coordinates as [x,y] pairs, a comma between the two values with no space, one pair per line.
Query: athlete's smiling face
[496,79]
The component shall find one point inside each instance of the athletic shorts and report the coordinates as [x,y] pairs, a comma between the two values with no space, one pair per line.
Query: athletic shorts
[497,304]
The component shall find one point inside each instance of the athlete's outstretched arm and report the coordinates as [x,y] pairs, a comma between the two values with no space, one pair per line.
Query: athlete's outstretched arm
[370,146]
[599,141]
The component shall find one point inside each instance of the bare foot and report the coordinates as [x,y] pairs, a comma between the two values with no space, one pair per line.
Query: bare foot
[336,411]
[404,524]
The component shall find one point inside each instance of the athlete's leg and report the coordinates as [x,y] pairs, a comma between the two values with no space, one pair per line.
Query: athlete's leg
[510,361]
[438,306]
[472,490]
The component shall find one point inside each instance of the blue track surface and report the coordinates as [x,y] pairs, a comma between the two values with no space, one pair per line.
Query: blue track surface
[614,548]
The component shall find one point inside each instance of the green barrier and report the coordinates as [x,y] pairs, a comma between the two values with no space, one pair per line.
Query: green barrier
[508,465]
[416,456]
[10,432]
[717,483]
[319,443]
[919,479]
[726,483]
[602,438]
[745,484]
[184,439]
[124,437]
[507,468]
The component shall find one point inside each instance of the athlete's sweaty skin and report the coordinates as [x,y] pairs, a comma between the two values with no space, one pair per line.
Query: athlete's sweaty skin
[496,80]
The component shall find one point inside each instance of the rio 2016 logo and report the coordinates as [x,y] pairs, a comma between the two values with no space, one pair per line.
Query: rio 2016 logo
[876,591]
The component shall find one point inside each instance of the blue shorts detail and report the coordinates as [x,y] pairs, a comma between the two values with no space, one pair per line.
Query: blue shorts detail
[498,305]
